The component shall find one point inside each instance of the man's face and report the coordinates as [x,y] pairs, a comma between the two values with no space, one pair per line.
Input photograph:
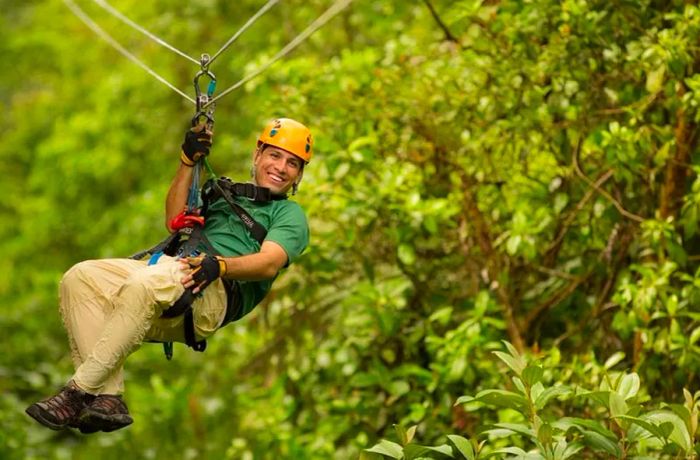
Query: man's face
[276,169]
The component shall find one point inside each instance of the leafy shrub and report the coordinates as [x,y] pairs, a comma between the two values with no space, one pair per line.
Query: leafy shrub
[608,422]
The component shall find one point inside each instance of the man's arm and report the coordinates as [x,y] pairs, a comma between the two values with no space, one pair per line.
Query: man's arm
[196,145]
[176,199]
[261,265]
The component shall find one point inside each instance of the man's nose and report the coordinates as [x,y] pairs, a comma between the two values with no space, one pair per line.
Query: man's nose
[280,165]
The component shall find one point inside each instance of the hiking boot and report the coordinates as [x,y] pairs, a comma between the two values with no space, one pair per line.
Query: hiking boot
[105,413]
[62,410]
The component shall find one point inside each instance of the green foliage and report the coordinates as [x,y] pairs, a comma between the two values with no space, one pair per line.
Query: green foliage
[609,422]
[485,171]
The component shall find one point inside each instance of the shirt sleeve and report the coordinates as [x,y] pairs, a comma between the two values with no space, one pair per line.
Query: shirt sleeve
[289,229]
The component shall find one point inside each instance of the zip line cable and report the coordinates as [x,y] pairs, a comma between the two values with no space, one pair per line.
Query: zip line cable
[334,9]
[108,38]
[319,22]
[117,14]
[114,12]
[250,22]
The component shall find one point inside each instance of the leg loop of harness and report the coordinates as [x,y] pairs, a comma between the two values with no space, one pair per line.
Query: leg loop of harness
[183,305]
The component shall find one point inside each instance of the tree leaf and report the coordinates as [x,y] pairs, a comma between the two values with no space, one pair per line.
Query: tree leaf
[502,398]
[516,364]
[407,254]
[517,454]
[582,424]
[462,446]
[571,449]
[365,455]
[414,451]
[388,448]
[464,399]
[679,435]
[629,386]
[517,428]
[618,407]
[549,393]
[405,435]
[544,434]
[532,374]
[614,360]
[600,442]
[683,413]
[647,425]
[655,78]
[602,397]
[511,349]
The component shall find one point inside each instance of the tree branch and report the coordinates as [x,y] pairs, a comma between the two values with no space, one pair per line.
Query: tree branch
[554,246]
[433,12]
[579,172]
[494,265]
[558,297]
[676,175]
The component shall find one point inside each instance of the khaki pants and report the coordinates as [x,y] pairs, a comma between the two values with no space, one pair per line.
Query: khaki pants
[110,306]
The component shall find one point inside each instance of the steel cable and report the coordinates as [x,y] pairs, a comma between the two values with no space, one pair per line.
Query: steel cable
[319,22]
[108,38]
[327,15]
[117,14]
[114,12]
[245,26]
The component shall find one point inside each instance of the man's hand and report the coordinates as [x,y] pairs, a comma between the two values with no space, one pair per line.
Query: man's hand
[205,269]
[196,145]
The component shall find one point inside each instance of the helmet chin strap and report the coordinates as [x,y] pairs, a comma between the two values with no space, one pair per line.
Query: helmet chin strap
[295,185]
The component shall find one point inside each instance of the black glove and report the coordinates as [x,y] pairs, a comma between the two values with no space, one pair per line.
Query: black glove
[196,144]
[205,270]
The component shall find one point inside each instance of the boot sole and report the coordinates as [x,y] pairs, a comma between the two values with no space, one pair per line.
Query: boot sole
[37,413]
[91,421]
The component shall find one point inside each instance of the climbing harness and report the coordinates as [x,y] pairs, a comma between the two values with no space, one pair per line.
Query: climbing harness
[188,237]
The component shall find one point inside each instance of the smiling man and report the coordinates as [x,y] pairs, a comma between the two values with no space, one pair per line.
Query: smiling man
[110,306]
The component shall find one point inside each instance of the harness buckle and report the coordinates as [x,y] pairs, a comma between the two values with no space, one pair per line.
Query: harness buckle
[185,220]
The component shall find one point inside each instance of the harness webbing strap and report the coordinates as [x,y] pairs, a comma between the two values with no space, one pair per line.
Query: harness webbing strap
[226,189]
[190,338]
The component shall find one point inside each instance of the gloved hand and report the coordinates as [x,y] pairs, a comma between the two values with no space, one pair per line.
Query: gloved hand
[196,145]
[205,270]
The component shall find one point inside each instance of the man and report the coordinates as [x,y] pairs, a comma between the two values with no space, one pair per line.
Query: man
[109,307]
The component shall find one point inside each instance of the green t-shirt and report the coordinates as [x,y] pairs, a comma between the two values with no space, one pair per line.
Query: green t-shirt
[285,223]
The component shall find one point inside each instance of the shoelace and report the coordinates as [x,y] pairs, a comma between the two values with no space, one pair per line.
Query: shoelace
[109,404]
[66,404]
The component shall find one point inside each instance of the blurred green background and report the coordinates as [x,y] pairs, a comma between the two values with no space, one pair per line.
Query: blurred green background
[484,171]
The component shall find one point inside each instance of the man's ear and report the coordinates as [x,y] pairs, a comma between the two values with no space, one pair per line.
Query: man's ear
[257,152]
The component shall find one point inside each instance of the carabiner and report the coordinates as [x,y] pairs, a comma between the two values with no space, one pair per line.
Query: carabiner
[201,100]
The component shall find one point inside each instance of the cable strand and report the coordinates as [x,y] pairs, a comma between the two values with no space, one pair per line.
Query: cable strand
[333,10]
[117,14]
[245,26]
[116,45]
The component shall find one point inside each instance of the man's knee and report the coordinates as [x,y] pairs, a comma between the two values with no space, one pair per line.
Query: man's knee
[79,273]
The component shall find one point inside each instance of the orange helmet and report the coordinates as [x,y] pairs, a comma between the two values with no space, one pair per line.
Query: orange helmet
[289,135]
